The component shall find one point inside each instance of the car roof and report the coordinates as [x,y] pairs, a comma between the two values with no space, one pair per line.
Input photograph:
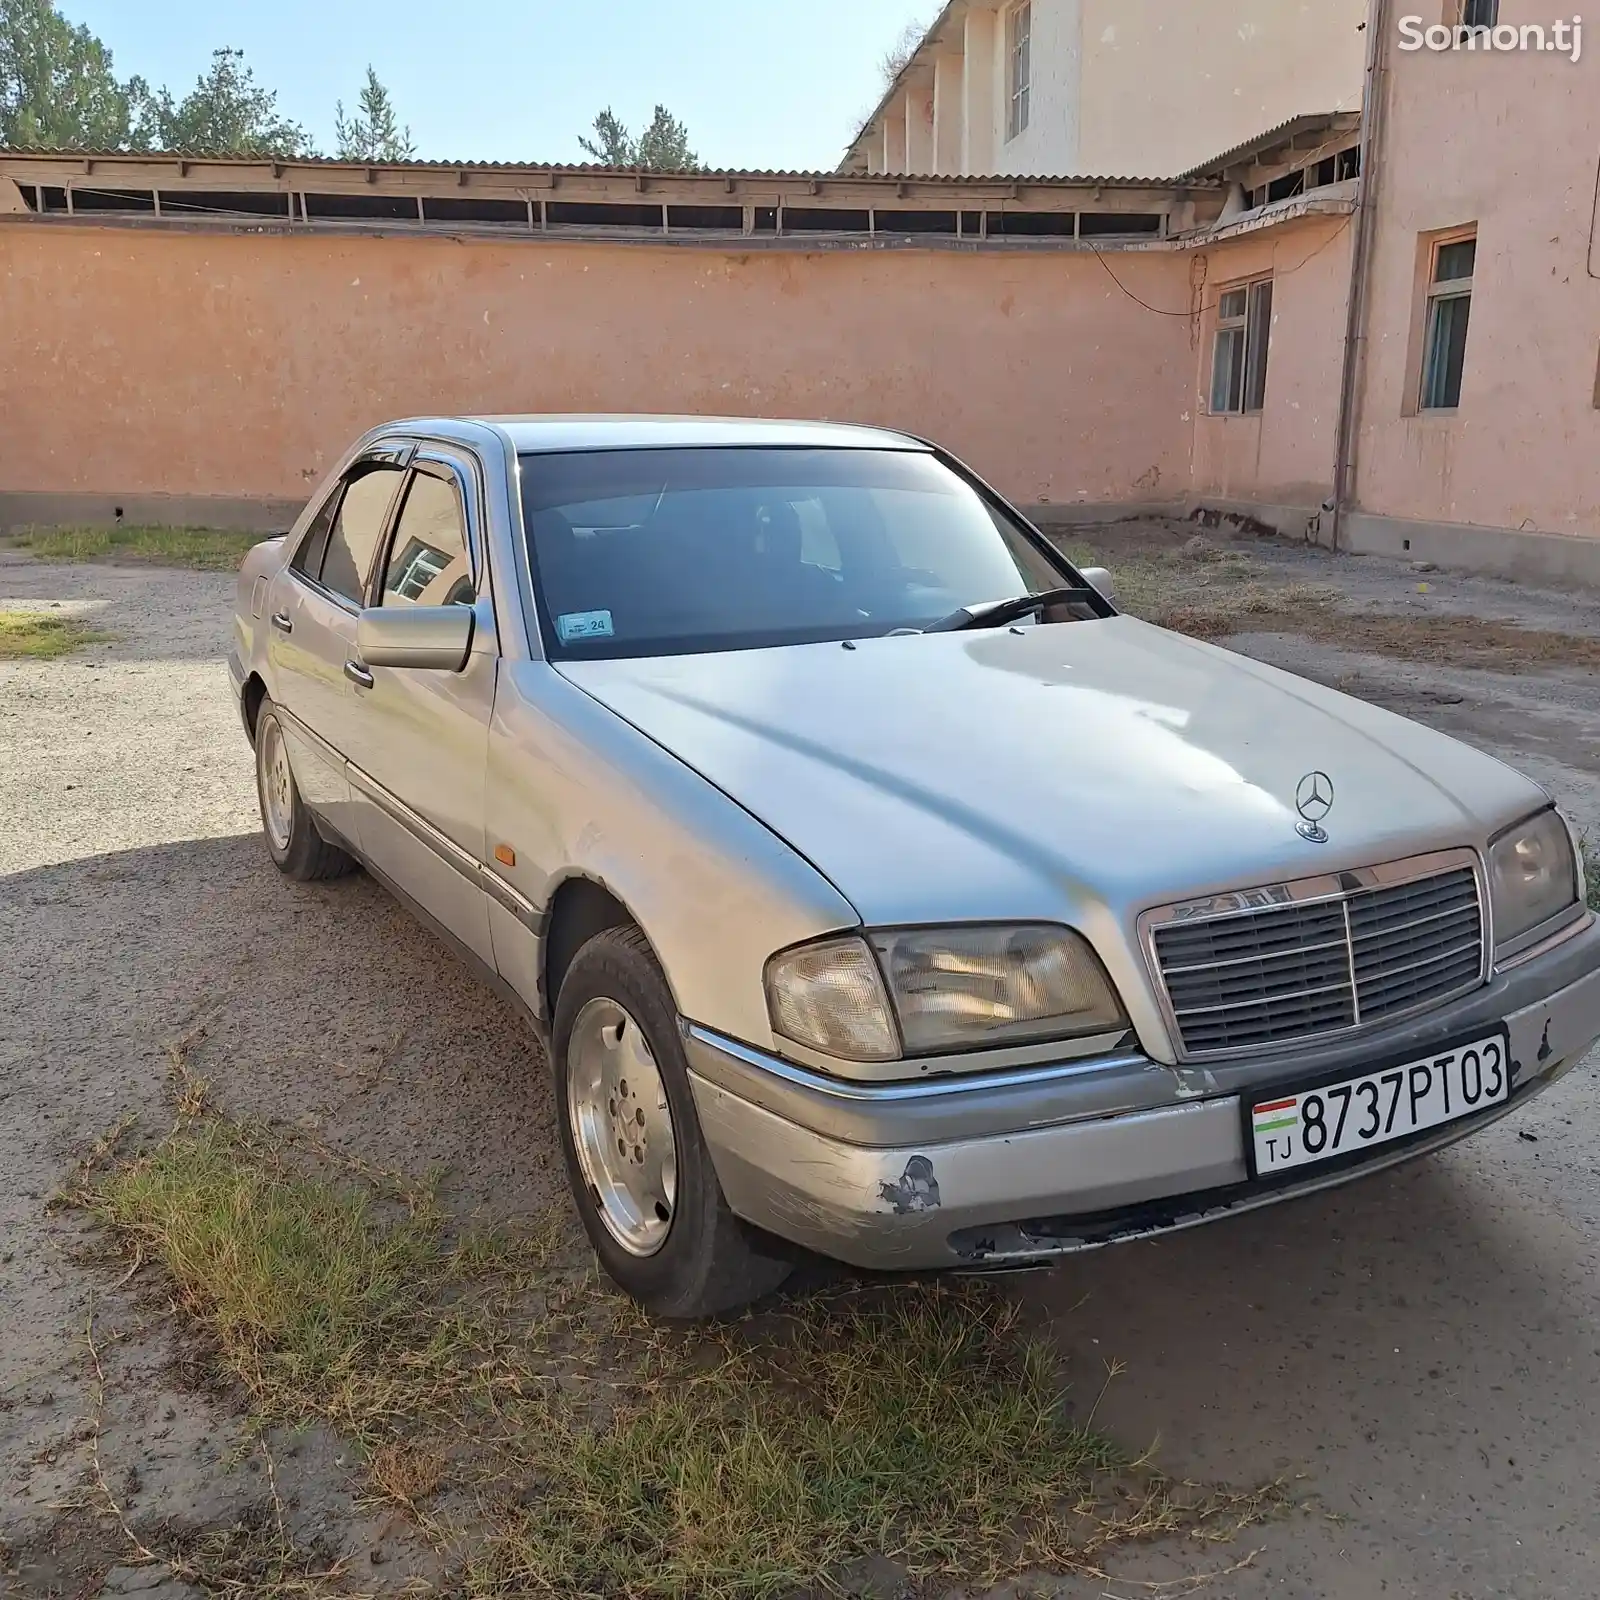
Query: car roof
[639,432]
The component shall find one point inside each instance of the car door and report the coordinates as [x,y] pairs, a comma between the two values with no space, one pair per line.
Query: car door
[419,740]
[312,609]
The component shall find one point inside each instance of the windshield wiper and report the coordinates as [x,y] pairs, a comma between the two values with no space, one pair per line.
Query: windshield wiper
[998,613]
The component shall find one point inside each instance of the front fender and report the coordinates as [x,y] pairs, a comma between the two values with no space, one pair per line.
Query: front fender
[573,790]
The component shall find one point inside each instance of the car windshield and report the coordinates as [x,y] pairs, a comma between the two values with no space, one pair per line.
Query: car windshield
[675,551]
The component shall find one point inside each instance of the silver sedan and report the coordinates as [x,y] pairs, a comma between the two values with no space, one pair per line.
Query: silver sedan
[877,889]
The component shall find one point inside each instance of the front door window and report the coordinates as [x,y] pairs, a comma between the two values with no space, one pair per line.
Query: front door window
[357,530]
[428,564]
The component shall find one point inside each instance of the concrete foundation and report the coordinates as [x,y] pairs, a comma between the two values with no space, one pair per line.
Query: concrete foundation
[1538,558]
[239,514]
[1551,559]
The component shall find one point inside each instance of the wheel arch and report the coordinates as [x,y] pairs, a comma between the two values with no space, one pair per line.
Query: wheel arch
[254,692]
[580,908]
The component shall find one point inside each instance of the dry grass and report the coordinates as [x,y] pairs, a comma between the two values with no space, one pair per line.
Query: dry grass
[1211,592]
[205,549]
[1204,590]
[604,1455]
[407,1472]
[42,635]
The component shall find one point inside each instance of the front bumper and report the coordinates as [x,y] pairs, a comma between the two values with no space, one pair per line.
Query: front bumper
[1016,1168]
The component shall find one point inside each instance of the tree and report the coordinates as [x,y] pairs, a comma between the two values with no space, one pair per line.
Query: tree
[57,88]
[893,61]
[615,148]
[374,132]
[226,113]
[662,147]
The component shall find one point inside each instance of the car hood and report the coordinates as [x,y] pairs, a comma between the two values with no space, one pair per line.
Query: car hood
[1061,771]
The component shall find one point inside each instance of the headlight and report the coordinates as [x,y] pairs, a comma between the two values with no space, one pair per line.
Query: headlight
[831,997]
[1533,876]
[949,989]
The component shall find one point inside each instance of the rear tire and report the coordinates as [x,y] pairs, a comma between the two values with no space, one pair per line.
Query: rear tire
[298,851]
[637,1161]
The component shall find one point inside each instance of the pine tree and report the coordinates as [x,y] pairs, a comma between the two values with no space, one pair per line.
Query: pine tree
[374,132]
[662,147]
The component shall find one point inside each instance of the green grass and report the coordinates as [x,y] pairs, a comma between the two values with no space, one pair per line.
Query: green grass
[206,549]
[42,635]
[536,1425]
[298,1284]
[919,1423]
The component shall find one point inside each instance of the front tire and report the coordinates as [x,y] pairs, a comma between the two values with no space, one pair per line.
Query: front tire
[297,849]
[640,1172]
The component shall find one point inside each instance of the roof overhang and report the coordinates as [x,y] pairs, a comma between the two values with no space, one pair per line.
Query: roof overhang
[782,210]
[915,70]
[122,169]
[1311,133]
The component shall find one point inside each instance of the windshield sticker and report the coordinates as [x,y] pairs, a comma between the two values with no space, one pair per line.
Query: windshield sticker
[584,625]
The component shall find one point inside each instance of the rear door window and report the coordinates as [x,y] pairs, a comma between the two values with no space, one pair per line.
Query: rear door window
[314,546]
[358,529]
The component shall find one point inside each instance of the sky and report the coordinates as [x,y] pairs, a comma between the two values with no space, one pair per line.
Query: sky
[761,83]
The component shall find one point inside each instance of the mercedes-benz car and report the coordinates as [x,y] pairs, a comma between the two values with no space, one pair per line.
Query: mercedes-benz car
[876,888]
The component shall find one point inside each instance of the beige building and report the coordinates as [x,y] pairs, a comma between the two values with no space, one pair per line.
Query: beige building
[1145,88]
[195,340]
[1479,402]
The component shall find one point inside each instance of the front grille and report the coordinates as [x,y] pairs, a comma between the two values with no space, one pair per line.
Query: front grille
[1288,971]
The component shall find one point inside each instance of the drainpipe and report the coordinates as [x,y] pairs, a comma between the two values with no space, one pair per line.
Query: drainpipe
[1355,335]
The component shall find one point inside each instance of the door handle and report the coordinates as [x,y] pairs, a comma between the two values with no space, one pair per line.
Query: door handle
[358,674]
[282,622]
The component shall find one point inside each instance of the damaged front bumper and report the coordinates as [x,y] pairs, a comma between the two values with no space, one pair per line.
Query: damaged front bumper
[1011,1169]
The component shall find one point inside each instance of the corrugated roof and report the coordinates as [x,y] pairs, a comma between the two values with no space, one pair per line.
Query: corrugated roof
[1306,122]
[233,158]
[1083,180]
[594,169]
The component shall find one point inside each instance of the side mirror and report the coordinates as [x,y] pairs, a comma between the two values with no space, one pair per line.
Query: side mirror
[1100,578]
[430,637]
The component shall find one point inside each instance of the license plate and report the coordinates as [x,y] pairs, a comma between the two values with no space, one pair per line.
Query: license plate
[1334,1119]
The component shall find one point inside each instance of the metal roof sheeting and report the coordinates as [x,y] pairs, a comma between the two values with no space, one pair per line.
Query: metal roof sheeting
[1306,122]
[591,170]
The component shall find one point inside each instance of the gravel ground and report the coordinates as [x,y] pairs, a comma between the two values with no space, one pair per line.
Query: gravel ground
[1419,1353]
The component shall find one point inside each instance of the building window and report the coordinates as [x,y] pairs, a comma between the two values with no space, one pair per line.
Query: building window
[1444,346]
[1019,30]
[1239,363]
[1475,13]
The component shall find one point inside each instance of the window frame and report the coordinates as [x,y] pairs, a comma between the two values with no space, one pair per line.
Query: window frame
[1459,14]
[1436,291]
[447,469]
[1019,68]
[1246,328]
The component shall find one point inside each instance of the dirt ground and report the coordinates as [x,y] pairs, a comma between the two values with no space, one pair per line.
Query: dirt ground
[1416,1356]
